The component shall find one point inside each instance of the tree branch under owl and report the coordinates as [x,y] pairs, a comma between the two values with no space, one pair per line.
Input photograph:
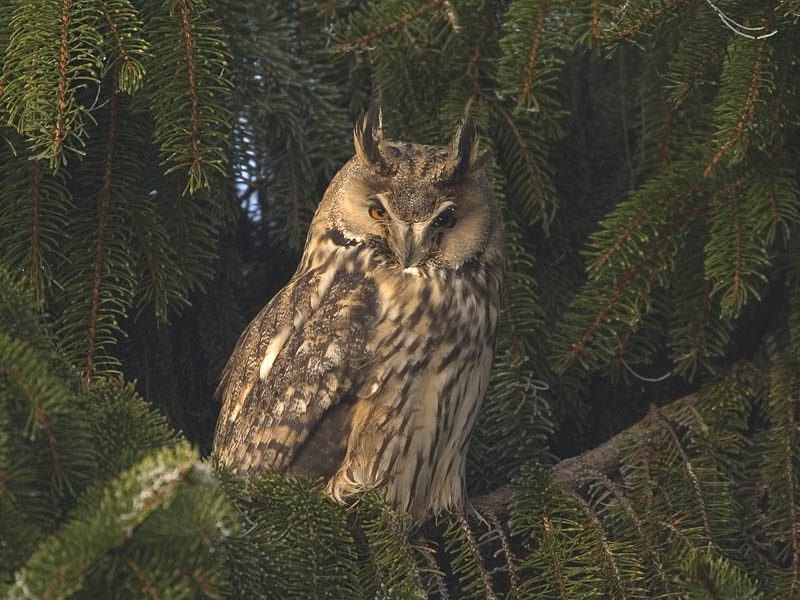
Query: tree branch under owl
[572,473]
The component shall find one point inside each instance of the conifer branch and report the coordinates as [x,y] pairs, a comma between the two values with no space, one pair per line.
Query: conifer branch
[689,85]
[441,586]
[700,326]
[123,52]
[571,474]
[578,347]
[634,28]
[36,250]
[738,28]
[144,244]
[555,564]
[4,80]
[488,26]
[148,585]
[130,71]
[103,208]
[615,490]
[194,133]
[746,112]
[781,89]
[604,543]
[199,580]
[508,553]
[364,40]
[789,479]
[528,161]
[472,544]
[62,74]
[619,355]
[687,465]
[40,416]
[625,236]
[536,41]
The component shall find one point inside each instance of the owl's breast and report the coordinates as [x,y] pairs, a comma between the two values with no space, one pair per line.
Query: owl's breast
[433,350]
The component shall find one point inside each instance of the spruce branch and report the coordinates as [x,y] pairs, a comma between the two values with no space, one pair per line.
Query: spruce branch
[686,463]
[700,325]
[579,347]
[604,480]
[468,540]
[570,474]
[36,250]
[147,585]
[742,130]
[736,252]
[530,165]
[35,402]
[634,226]
[152,270]
[536,40]
[708,57]
[632,326]
[508,554]
[652,15]
[188,90]
[102,216]
[195,168]
[488,26]
[125,28]
[62,75]
[595,21]
[533,42]
[791,390]
[783,87]
[365,40]
[53,54]
[608,554]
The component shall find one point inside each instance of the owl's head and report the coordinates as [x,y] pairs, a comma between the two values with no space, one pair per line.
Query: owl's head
[418,205]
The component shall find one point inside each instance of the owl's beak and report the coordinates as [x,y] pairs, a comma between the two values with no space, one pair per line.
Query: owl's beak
[411,242]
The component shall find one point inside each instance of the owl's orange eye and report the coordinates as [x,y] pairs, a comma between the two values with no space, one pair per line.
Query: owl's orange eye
[378,213]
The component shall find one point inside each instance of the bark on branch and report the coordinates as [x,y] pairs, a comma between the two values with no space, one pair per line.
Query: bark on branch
[570,473]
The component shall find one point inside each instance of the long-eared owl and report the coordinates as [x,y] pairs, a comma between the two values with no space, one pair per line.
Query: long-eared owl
[369,367]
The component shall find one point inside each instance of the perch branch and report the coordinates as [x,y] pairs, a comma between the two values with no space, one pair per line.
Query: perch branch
[570,472]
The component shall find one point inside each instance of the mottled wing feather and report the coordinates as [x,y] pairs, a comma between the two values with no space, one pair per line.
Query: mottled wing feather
[317,328]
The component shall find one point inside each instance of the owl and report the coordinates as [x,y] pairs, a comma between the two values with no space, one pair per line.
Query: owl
[368,369]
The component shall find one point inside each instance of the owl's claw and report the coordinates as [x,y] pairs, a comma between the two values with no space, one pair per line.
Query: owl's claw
[472,511]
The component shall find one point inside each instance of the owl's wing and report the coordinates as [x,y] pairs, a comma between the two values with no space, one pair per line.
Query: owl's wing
[293,367]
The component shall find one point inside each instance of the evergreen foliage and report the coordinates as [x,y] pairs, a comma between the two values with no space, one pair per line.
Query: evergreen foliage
[159,165]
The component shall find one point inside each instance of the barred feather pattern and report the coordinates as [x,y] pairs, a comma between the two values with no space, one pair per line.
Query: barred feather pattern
[364,371]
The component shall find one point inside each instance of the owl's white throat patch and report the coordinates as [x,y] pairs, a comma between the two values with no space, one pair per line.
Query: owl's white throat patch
[412,271]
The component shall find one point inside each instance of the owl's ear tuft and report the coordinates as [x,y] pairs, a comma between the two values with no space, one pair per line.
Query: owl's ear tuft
[464,157]
[367,135]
